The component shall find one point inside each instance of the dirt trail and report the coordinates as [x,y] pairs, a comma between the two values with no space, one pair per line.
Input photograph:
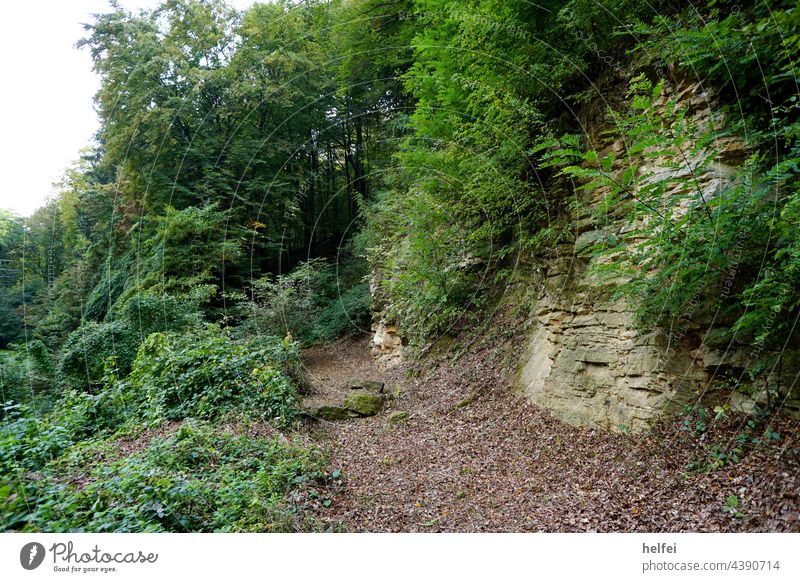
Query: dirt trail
[475,457]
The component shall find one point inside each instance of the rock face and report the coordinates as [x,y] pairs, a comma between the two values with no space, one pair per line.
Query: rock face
[387,345]
[586,360]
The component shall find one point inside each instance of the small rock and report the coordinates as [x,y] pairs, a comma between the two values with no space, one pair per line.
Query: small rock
[742,403]
[364,402]
[472,398]
[371,385]
[397,417]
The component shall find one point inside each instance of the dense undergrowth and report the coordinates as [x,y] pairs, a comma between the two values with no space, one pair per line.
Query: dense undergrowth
[201,478]
[266,180]
[61,470]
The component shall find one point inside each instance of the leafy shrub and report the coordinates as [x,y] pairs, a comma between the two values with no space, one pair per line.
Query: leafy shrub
[184,249]
[197,479]
[29,440]
[714,451]
[10,321]
[745,54]
[467,197]
[14,384]
[107,290]
[12,379]
[27,374]
[87,348]
[202,374]
[206,373]
[427,275]
[315,302]
[348,315]
[290,303]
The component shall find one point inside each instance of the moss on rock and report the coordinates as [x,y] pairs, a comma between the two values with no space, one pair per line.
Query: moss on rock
[364,402]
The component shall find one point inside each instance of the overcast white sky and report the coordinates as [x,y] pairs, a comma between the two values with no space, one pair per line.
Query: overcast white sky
[46,110]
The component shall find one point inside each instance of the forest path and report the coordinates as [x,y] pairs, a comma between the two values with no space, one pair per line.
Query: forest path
[473,456]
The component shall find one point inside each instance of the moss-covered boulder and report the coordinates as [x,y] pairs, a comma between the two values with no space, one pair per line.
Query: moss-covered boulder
[371,385]
[364,402]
